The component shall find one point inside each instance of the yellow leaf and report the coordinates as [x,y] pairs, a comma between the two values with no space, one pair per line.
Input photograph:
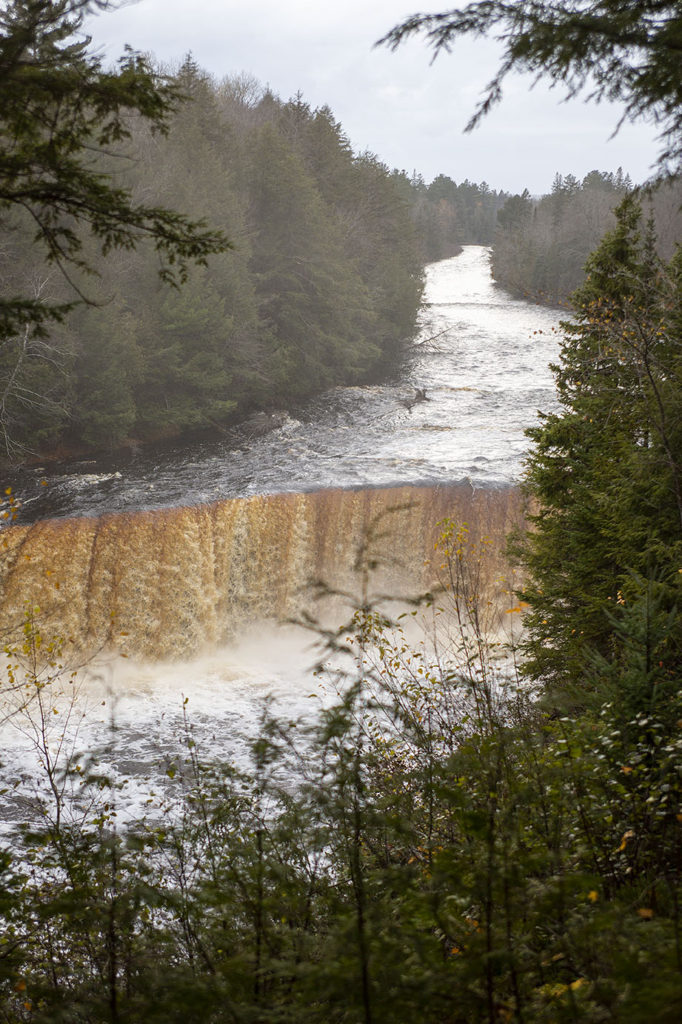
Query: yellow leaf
[624,840]
[593,895]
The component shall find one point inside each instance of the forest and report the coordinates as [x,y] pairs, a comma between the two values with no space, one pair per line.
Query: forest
[542,244]
[320,285]
[470,831]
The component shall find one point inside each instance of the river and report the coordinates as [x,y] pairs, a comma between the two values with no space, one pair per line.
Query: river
[481,357]
[193,552]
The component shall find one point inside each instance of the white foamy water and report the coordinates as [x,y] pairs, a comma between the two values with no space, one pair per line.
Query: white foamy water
[138,719]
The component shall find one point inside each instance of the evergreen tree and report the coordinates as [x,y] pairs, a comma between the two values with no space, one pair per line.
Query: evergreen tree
[605,472]
[108,364]
[625,50]
[188,380]
[516,212]
[387,256]
[59,106]
[317,305]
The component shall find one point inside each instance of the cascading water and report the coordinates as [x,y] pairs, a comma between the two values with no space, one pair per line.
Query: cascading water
[176,582]
[481,359]
[187,554]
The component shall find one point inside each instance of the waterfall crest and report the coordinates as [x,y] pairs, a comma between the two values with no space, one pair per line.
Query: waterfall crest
[172,583]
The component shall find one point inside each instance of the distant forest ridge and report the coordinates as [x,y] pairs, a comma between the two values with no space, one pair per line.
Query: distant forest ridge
[541,245]
[322,287]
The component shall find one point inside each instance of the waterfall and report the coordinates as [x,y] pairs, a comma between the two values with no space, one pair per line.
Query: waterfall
[173,583]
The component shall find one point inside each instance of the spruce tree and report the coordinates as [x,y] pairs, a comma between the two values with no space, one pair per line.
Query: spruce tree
[604,472]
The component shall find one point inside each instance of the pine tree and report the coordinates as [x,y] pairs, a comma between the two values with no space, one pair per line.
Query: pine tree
[604,472]
[108,364]
[315,301]
[59,107]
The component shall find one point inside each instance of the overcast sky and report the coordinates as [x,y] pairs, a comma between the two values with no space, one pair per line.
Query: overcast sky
[408,111]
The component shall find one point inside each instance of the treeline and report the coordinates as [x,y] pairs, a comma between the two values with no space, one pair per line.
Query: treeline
[322,285]
[542,245]
[448,216]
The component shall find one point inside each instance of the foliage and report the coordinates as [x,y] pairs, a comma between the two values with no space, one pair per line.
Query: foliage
[61,109]
[623,51]
[604,472]
[542,245]
[322,286]
[439,845]
[447,215]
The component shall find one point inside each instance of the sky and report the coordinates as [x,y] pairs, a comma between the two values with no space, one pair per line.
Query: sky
[403,107]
